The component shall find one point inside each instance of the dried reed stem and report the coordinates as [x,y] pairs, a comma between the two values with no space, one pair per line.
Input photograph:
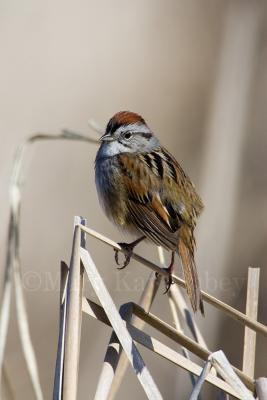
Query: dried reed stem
[187,315]
[94,310]
[74,315]
[59,368]
[120,329]
[225,370]
[146,301]
[12,266]
[176,305]
[232,312]
[114,356]
[178,327]
[183,340]
[249,351]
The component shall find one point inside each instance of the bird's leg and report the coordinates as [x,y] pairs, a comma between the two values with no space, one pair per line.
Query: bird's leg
[169,281]
[127,250]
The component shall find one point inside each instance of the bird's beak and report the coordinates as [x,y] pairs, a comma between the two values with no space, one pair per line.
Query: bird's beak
[106,137]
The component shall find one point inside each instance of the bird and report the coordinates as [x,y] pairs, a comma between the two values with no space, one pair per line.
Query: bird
[145,191]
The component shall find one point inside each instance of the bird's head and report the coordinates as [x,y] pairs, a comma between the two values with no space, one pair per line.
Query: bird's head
[127,132]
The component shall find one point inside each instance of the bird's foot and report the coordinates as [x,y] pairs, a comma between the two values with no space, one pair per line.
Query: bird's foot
[128,252]
[128,249]
[168,283]
[168,280]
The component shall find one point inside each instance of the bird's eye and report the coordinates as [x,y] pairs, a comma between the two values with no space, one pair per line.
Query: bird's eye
[127,135]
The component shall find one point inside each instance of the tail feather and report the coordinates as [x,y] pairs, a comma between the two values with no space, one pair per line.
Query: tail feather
[191,277]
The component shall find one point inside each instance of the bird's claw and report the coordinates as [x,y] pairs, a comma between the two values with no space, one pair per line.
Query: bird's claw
[168,283]
[128,251]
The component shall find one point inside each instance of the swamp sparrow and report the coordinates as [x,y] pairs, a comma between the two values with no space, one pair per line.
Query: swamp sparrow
[144,190]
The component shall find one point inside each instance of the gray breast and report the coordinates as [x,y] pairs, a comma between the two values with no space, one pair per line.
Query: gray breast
[109,187]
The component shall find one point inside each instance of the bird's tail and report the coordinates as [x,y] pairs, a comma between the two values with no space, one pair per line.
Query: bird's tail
[191,276]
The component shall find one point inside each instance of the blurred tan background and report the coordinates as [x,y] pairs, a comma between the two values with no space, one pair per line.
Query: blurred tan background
[196,70]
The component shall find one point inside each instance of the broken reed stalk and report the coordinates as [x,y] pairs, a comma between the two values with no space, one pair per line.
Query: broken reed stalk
[220,305]
[12,266]
[174,296]
[219,361]
[74,315]
[178,303]
[195,394]
[115,360]
[59,368]
[94,310]
[12,270]
[120,329]
[125,337]
[252,312]
[187,315]
[184,340]
[178,327]
[146,301]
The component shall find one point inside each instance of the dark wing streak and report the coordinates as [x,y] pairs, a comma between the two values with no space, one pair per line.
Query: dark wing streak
[145,208]
[182,180]
[150,224]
